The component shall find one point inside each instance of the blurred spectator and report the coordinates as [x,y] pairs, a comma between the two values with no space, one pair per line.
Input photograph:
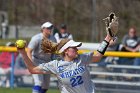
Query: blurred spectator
[5,65]
[137,60]
[62,33]
[4,27]
[55,30]
[131,43]
[20,70]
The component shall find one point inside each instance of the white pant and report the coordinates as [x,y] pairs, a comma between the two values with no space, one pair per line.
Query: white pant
[42,80]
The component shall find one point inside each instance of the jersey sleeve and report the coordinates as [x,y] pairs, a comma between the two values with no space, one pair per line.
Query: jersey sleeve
[50,66]
[139,40]
[70,36]
[57,37]
[124,40]
[33,43]
[86,57]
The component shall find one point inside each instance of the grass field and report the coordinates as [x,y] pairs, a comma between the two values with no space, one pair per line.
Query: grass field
[24,90]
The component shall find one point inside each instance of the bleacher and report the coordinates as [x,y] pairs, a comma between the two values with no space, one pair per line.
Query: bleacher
[107,79]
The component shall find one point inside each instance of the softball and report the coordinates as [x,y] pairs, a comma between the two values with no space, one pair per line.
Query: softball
[20,43]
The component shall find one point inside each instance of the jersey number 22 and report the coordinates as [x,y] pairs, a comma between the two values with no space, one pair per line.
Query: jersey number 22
[76,81]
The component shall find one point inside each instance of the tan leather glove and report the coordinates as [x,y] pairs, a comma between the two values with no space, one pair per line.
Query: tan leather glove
[111,25]
[48,46]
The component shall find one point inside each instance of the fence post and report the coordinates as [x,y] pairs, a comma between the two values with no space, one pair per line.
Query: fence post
[12,71]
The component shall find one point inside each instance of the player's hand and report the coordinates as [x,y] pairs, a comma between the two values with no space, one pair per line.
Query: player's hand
[111,25]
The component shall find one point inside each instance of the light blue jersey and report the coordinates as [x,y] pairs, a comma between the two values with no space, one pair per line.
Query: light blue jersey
[37,55]
[73,77]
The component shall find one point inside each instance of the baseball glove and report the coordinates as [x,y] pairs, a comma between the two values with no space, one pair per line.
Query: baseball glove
[48,46]
[111,25]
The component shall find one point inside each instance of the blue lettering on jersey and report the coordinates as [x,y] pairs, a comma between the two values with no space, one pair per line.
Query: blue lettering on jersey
[71,73]
[60,68]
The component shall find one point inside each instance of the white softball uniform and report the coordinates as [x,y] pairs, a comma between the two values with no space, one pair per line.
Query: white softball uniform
[73,77]
[39,57]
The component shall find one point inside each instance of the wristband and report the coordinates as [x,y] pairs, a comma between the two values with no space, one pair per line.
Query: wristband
[103,46]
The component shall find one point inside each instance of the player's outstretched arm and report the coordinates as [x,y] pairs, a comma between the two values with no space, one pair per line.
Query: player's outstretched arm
[111,28]
[31,67]
[101,50]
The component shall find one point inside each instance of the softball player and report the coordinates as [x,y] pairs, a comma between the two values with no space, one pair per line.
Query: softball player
[41,82]
[71,71]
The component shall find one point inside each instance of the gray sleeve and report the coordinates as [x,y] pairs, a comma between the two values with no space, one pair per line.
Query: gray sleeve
[87,57]
[33,43]
[124,40]
[19,62]
[50,66]
[139,40]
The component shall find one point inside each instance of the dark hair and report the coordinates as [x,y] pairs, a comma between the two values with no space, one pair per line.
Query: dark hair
[63,26]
